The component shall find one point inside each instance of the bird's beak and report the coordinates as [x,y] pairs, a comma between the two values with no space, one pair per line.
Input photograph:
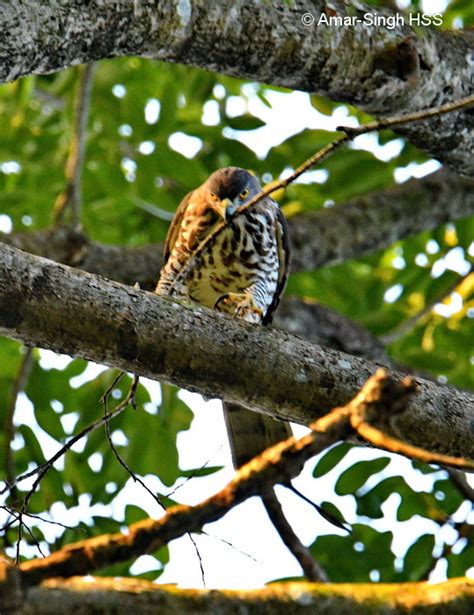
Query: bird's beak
[224,208]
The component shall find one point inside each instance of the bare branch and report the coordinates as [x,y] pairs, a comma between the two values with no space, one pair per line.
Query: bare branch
[313,571]
[72,312]
[361,421]
[379,69]
[278,464]
[72,194]
[397,121]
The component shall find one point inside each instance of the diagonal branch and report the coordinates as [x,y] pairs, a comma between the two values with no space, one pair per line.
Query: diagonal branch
[278,464]
[380,397]
[313,571]
[75,313]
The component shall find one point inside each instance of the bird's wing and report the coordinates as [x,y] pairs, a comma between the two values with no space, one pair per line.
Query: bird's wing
[283,243]
[175,226]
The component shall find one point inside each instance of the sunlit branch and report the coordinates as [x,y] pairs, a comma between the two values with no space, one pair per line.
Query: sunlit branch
[278,464]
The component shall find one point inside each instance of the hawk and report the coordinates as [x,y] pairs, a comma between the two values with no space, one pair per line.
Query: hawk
[242,272]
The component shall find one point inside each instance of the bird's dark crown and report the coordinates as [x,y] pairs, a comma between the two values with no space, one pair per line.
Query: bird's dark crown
[229,182]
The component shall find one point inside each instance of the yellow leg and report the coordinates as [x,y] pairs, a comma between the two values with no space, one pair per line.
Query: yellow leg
[240,305]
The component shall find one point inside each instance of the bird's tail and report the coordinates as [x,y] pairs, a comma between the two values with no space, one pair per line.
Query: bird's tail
[250,433]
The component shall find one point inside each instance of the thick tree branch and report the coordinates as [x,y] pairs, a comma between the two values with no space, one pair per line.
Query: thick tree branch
[324,326]
[319,238]
[105,595]
[382,70]
[142,597]
[379,219]
[72,312]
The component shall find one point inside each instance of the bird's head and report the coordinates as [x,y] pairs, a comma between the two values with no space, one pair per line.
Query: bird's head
[229,188]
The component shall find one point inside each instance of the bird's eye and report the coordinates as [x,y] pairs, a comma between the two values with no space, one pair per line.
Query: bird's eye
[214,196]
[244,194]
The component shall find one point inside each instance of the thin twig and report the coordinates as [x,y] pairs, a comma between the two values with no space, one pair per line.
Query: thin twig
[323,153]
[231,545]
[22,524]
[203,576]
[407,325]
[313,571]
[399,120]
[44,467]
[459,479]
[117,455]
[13,511]
[72,195]
[192,475]
[8,425]
[381,440]
[111,387]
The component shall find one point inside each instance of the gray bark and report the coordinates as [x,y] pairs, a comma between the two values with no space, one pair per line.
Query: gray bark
[72,312]
[381,70]
[379,219]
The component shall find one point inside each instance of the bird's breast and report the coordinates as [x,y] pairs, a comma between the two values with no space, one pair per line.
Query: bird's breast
[243,254]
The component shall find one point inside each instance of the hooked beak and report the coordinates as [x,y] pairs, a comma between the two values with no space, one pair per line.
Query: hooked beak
[224,208]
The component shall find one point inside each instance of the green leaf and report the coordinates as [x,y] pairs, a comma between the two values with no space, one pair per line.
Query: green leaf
[353,478]
[329,460]
[134,513]
[245,122]
[352,558]
[419,557]
[206,471]
[459,563]
[369,504]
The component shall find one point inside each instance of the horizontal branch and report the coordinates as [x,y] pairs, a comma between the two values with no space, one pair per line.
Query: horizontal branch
[382,70]
[72,312]
[379,219]
[320,238]
[142,597]
[316,323]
